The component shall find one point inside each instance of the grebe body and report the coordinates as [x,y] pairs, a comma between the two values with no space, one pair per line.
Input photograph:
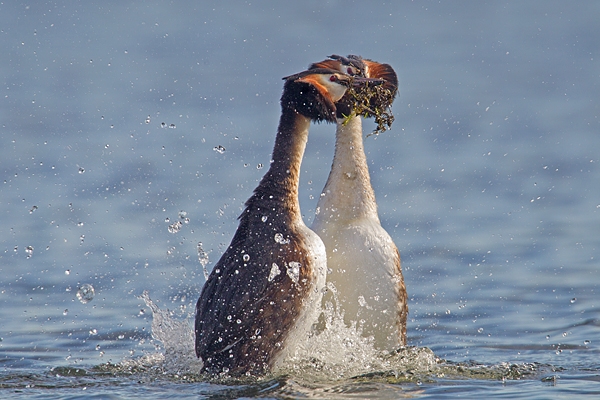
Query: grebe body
[363,261]
[264,294]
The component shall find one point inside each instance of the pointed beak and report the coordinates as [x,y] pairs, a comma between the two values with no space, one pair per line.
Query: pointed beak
[361,82]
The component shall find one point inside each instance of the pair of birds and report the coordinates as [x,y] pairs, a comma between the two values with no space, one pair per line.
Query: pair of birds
[265,293]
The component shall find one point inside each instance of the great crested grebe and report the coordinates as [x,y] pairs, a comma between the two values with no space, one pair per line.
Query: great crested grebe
[264,294]
[363,261]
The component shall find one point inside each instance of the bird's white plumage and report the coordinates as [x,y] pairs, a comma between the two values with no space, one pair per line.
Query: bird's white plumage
[363,261]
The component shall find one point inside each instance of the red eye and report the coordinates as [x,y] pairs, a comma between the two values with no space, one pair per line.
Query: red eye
[333,78]
[350,70]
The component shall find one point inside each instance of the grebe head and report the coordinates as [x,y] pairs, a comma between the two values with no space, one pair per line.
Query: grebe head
[357,66]
[313,93]
[364,68]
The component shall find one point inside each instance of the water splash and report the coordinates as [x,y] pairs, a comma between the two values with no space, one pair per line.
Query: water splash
[335,352]
[203,259]
[177,338]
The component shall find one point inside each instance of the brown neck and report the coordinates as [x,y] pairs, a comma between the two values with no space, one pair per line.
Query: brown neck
[278,189]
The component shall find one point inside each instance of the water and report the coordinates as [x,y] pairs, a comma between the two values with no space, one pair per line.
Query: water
[115,117]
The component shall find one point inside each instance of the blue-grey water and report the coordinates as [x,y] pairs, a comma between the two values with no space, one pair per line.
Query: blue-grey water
[119,119]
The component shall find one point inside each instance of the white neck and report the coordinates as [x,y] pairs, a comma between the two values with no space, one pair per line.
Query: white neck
[348,193]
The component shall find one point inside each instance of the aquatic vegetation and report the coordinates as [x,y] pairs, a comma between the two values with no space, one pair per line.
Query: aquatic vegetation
[372,101]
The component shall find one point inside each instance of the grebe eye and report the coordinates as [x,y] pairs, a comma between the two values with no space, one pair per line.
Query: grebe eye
[350,71]
[333,78]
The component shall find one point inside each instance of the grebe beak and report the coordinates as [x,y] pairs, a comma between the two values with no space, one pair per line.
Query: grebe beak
[361,82]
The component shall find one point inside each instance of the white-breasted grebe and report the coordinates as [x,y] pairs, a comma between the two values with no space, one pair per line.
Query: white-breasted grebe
[264,294]
[362,259]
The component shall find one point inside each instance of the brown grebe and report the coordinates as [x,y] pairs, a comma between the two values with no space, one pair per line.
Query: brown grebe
[264,294]
[363,261]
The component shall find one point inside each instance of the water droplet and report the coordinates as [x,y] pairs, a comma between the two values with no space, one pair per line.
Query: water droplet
[66,311]
[203,259]
[246,257]
[68,272]
[219,149]
[280,239]
[264,218]
[93,331]
[86,293]
[361,301]
[274,272]
[81,170]
[293,271]
[29,251]
[573,300]
[172,126]
[176,227]
[239,321]
[147,119]
[33,209]
[586,342]
[259,166]
[547,337]
[480,330]
[163,125]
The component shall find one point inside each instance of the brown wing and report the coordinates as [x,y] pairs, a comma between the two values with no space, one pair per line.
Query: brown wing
[245,312]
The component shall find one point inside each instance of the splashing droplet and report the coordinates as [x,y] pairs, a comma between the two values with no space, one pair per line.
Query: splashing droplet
[86,293]
[280,239]
[293,271]
[176,227]
[246,257]
[219,149]
[274,272]
[203,259]
[361,301]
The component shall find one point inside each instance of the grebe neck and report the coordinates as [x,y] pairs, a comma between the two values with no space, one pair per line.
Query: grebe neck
[349,183]
[278,189]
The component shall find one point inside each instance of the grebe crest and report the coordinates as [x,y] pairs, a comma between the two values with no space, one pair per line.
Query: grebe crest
[363,261]
[264,294]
